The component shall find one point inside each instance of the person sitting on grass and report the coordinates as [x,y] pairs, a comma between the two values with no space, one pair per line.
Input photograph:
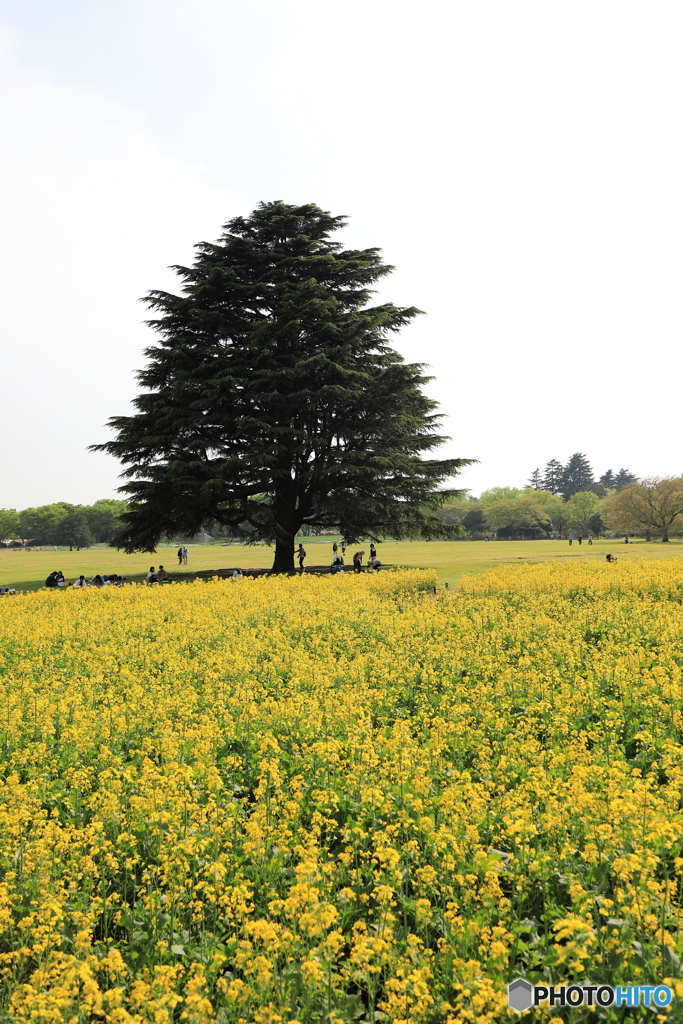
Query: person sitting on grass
[5,591]
[51,581]
[151,575]
[236,574]
[374,564]
[162,575]
[81,582]
[610,558]
[98,581]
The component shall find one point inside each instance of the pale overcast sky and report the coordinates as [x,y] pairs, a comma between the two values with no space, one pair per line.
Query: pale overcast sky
[520,163]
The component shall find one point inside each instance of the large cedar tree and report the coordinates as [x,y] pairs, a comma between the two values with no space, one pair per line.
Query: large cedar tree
[272,401]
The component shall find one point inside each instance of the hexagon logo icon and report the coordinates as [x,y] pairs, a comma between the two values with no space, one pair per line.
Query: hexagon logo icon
[520,995]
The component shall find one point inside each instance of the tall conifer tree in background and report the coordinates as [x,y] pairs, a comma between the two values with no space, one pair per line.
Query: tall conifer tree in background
[273,401]
[623,478]
[552,477]
[617,481]
[577,475]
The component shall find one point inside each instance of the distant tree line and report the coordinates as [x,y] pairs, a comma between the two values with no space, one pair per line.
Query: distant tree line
[564,499]
[80,526]
[63,523]
[616,502]
[577,476]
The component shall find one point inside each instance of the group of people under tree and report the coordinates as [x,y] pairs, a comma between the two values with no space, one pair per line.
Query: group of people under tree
[357,560]
[338,563]
[57,579]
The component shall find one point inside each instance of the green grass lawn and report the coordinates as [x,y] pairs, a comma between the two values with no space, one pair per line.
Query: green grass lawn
[27,570]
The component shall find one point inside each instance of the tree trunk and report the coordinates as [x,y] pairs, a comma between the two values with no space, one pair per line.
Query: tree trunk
[665,535]
[284,554]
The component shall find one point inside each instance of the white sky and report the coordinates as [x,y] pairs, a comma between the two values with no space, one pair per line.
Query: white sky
[519,163]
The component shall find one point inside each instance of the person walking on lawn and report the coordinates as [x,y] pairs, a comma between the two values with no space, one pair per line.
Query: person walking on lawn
[180,556]
[302,554]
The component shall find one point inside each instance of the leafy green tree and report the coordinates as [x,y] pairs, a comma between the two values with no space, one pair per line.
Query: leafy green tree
[523,512]
[552,477]
[577,475]
[536,480]
[103,518]
[653,505]
[582,510]
[474,519]
[9,523]
[552,505]
[495,494]
[608,480]
[40,524]
[73,530]
[453,512]
[274,401]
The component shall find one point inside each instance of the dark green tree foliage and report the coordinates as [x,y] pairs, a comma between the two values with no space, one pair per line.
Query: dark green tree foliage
[623,479]
[9,524]
[273,401]
[577,476]
[536,480]
[39,525]
[73,530]
[617,481]
[103,517]
[552,477]
[474,520]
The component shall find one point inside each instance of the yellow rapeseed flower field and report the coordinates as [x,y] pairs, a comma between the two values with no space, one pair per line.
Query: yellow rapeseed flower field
[337,799]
